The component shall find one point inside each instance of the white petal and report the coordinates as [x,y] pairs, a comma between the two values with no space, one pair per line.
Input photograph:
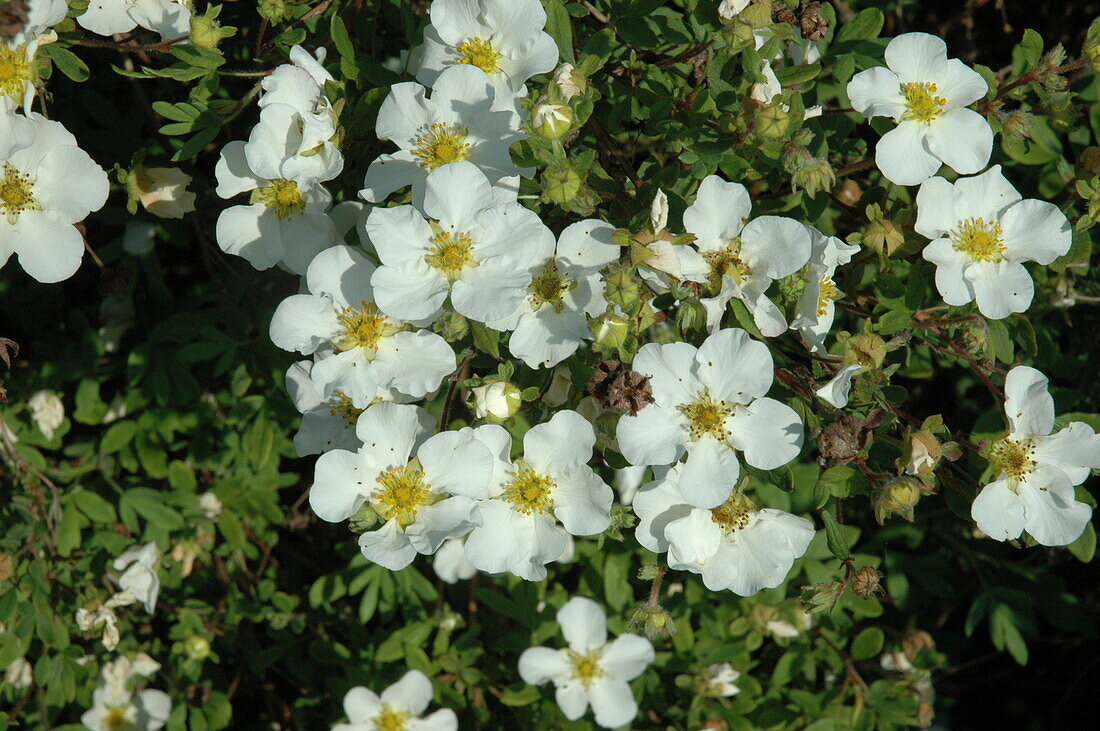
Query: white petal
[400,235]
[936,208]
[950,264]
[361,704]
[49,249]
[414,291]
[456,193]
[710,474]
[232,172]
[538,665]
[583,624]
[767,432]
[998,511]
[962,139]
[984,196]
[450,563]
[1052,515]
[734,367]
[1037,231]
[389,173]
[412,693]
[390,431]
[1028,404]
[582,501]
[302,323]
[718,213]
[652,436]
[876,92]
[669,368]
[339,486]
[388,546]
[1075,450]
[612,702]
[836,390]
[903,156]
[775,245]
[456,462]
[564,442]
[692,540]
[492,291]
[588,244]
[657,504]
[1000,288]
[434,524]
[572,699]
[917,56]
[415,363]
[959,84]
[627,656]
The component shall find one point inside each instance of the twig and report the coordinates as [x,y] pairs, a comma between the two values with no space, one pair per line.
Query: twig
[162,47]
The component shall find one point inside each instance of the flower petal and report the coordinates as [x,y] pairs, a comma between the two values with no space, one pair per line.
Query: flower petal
[1000,288]
[1037,231]
[710,473]
[388,546]
[612,701]
[998,511]
[963,139]
[767,432]
[734,367]
[412,693]
[903,157]
[1052,515]
[538,665]
[652,436]
[627,656]
[583,624]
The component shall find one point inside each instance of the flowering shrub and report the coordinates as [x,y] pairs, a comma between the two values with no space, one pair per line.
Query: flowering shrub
[720,364]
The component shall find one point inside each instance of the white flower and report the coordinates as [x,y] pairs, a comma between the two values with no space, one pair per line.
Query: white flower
[743,258]
[422,499]
[817,303]
[565,289]
[47,411]
[106,17]
[210,505]
[362,351]
[522,506]
[721,678]
[326,423]
[592,671]
[503,38]
[285,221]
[1035,469]
[895,662]
[836,391]
[709,401]
[781,629]
[765,92]
[729,8]
[496,401]
[19,674]
[163,191]
[457,123]
[104,619]
[399,707]
[140,576]
[983,231]
[658,212]
[47,184]
[733,546]
[115,705]
[450,563]
[41,14]
[926,94]
[566,80]
[466,245]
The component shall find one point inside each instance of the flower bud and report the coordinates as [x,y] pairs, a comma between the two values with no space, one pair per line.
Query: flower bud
[274,11]
[161,191]
[691,315]
[653,620]
[814,176]
[196,647]
[551,120]
[207,32]
[609,330]
[1091,49]
[496,401]
[658,212]
[451,326]
[570,81]
[900,496]
[772,122]
[561,184]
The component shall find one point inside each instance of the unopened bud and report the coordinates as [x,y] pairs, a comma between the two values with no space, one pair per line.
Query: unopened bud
[658,212]
[207,32]
[274,11]
[900,496]
[452,326]
[561,184]
[772,122]
[653,621]
[496,401]
[196,647]
[551,120]
[610,331]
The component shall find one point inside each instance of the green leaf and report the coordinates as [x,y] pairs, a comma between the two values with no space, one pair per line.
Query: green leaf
[118,436]
[866,24]
[68,530]
[150,505]
[94,506]
[999,341]
[834,537]
[560,28]
[1084,548]
[792,75]
[524,696]
[67,62]
[486,339]
[867,643]
[340,37]
[843,481]
[90,408]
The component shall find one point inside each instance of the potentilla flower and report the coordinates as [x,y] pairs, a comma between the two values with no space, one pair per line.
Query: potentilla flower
[503,38]
[326,423]
[743,258]
[41,15]
[532,505]
[817,304]
[983,230]
[720,680]
[926,93]
[1036,469]
[47,412]
[708,402]
[163,191]
[362,351]
[116,705]
[592,671]
[47,184]
[734,545]
[106,17]
[466,245]
[399,707]
[285,221]
[457,123]
[421,500]
[139,577]
[297,124]
[565,289]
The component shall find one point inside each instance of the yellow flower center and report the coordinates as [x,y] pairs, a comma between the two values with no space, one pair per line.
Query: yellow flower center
[733,515]
[283,197]
[365,327]
[390,719]
[16,193]
[340,404]
[480,53]
[440,144]
[707,417]
[921,101]
[118,719]
[15,72]
[586,668]
[451,253]
[549,288]
[530,492]
[726,262]
[826,293]
[1013,458]
[981,240]
[402,493]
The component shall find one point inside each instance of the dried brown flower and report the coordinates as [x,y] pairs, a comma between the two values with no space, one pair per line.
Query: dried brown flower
[618,388]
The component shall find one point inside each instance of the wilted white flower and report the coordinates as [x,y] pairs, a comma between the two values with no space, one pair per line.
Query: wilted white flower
[19,674]
[163,191]
[592,671]
[721,678]
[926,93]
[47,411]
[210,505]
[565,78]
[734,545]
[399,707]
[106,17]
[457,123]
[708,402]
[983,230]
[1035,469]
[817,303]
[139,578]
[503,38]
[836,391]
[47,184]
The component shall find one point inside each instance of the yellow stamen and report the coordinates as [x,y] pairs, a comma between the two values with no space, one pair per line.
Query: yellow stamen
[734,514]
[981,240]
[451,253]
[921,101]
[16,193]
[707,417]
[550,288]
[390,719]
[826,293]
[341,405]
[480,53]
[117,719]
[726,262]
[530,492]
[1014,459]
[403,492]
[586,668]
[440,144]
[283,197]
[15,72]
[365,327]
